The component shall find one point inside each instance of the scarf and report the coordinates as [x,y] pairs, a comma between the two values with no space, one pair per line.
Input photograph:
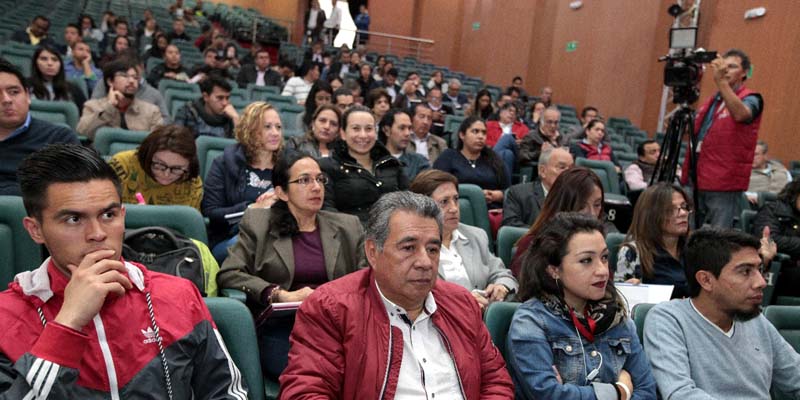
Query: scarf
[211,119]
[647,170]
[596,319]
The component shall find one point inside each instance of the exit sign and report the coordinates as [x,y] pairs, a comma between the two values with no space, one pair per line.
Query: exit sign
[572,46]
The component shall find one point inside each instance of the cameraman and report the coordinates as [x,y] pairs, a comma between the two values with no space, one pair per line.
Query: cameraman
[726,127]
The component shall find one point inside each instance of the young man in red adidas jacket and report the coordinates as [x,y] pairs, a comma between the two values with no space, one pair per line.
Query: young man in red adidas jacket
[88,325]
[394,330]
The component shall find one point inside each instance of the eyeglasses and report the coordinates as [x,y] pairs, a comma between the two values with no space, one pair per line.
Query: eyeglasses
[126,75]
[675,211]
[322,180]
[172,169]
[550,122]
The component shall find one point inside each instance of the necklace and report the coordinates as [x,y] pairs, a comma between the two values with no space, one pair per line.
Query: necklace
[472,163]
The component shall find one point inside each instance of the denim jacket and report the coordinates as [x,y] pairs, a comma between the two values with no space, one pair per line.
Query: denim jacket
[538,340]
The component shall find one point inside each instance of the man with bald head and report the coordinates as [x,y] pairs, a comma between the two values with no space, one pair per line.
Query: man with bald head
[546,135]
[523,201]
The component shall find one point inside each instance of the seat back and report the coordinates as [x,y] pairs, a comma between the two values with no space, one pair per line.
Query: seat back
[208,149]
[746,220]
[507,236]
[498,319]
[289,115]
[477,202]
[55,111]
[235,325]
[19,251]
[639,314]
[184,219]
[605,170]
[109,141]
[452,122]
[613,240]
[786,320]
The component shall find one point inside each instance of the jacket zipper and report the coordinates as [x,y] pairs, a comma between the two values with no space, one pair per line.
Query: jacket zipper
[388,365]
[453,358]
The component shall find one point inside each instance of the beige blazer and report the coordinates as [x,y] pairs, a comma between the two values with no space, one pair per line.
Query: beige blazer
[261,258]
[98,113]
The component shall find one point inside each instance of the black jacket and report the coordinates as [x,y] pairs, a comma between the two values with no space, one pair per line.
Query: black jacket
[248,74]
[784,226]
[351,188]
[223,193]
[522,204]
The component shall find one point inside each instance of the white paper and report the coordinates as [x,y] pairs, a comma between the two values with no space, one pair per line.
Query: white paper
[643,293]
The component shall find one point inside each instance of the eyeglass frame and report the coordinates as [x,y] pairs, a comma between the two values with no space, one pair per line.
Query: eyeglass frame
[321,179]
[170,169]
[674,211]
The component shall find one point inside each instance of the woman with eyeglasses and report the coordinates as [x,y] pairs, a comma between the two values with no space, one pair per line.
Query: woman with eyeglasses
[653,248]
[360,168]
[242,176]
[284,252]
[572,338]
[164,169]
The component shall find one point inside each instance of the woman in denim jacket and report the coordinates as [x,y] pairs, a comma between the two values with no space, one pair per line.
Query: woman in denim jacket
[572,338]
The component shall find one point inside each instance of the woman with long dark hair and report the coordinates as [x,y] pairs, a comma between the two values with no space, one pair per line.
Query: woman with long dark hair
[575,190]
[476,163]
[570,306]
[285,252]
[48,80]
[482,106]
[321,93]
[323,132]
[593,146]
[157,48]
[653,249]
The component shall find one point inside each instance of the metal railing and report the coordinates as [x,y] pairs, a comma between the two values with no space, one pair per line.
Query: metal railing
[387,43]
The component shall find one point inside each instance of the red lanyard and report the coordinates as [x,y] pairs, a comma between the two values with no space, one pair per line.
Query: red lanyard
[587,333]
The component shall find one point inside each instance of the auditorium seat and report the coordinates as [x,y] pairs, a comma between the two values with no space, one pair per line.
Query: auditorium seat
[184,219]
[235,325]
[208,149]
[477,207]
[507,238]
[20,252]
[498,320]
[109,141]
[55,112]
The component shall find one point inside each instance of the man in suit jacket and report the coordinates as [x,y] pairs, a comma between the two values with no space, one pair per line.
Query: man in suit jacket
[524,201]
[259,72]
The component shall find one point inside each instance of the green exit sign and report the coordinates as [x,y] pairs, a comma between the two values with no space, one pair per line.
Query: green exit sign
[572,46]
[476,26]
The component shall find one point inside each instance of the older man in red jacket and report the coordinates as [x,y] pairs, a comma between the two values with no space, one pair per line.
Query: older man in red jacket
[393,330]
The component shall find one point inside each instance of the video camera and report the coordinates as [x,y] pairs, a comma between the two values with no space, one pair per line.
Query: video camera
[684,67]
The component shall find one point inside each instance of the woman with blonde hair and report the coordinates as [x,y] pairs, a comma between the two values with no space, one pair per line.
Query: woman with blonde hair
[242,176]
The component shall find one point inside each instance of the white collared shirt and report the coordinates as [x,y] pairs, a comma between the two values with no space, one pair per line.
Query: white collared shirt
[506,128]
[421,145]
[427,370]
[451,265]
[260,77]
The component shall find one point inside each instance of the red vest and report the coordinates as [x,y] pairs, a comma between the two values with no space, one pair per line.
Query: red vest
[592,152]
[726,155]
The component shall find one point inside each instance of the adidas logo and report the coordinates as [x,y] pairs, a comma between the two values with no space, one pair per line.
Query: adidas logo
[149,335]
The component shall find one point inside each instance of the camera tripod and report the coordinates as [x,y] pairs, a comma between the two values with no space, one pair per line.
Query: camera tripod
[680,125]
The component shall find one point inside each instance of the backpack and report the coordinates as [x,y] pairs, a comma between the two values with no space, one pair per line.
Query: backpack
[163,250]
